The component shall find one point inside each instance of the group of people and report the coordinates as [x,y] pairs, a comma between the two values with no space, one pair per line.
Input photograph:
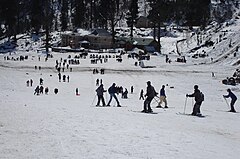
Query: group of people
[29,83]
[151,94]
[39,90]
[112,92]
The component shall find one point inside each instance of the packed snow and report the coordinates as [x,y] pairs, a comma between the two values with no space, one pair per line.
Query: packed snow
[64,125]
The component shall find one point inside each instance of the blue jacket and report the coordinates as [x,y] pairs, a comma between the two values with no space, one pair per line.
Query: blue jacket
[162,92]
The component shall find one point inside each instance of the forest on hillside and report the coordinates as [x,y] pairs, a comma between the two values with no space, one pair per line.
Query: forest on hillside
[21,16]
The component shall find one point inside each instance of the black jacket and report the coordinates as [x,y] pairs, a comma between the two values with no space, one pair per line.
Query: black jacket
[196,95]
[151,93]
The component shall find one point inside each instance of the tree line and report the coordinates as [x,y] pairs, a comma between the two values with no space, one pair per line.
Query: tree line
[21,16]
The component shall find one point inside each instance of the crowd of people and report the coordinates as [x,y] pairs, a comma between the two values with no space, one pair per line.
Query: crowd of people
[114,90]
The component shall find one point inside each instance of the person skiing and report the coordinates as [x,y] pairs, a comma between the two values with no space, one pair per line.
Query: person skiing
[162,97]
[112,90]
[150,94]
[198,100]
[100,90]
[233,99]
[141,95]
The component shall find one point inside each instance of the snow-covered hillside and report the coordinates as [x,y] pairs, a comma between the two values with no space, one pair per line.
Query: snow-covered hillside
[64,125]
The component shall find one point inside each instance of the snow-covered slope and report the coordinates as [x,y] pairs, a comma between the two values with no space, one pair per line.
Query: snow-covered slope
[64,125]
[67,126]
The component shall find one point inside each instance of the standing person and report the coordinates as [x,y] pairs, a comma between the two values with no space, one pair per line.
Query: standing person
[233,99]
[27,83]
[68,78]
[46,90]
[199,98]
[132,89]
[162,97]
[41,89]
[97,82]
[55,90]
[77,92]
[64,78]
[100,90]
[125,93]
[31,82]
[141,95]
[41,81]
[37,89]
[112,90]
[59,77]
[151,93]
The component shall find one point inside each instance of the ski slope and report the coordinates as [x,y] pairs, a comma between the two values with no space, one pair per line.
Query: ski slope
[64,125]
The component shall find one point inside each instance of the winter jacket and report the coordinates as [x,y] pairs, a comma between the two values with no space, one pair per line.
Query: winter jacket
[197,95]
[100,90]
[151,93]
[112,90]
[231,95]
[162,92]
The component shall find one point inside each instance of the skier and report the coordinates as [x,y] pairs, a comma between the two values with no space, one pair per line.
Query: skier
[199,98]
[100,90]
[112,90]
[233,99]
[151,93]
[162,97]
[141,95]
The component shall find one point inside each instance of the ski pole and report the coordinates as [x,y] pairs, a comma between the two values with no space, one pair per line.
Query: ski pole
[226,102]
[155,100]
[94,99]
[185,106]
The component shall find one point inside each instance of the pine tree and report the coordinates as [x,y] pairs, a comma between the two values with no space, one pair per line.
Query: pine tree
[132,15]
[79,13]
[9,12]
[64,14]
[36,15]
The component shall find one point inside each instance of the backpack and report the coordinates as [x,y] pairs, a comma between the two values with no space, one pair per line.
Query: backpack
[201,96]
